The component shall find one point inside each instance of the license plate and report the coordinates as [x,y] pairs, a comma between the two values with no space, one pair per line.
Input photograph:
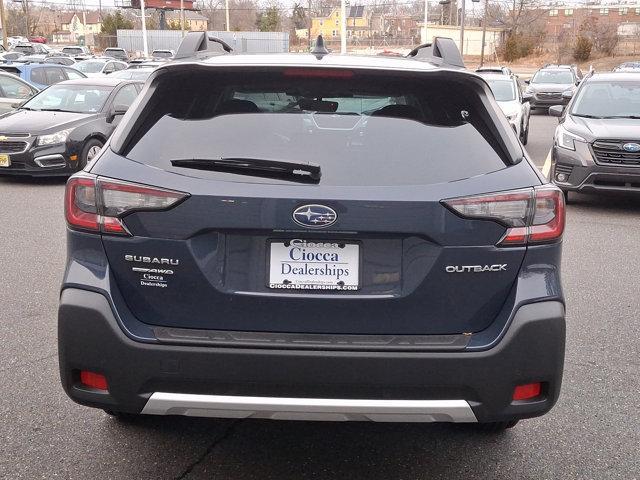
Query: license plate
[314,265]
[5,161]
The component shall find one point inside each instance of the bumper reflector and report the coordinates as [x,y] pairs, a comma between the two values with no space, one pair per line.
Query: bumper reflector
[528,391]
[93,380]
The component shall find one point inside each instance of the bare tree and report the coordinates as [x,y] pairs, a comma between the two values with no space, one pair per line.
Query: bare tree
[515,17]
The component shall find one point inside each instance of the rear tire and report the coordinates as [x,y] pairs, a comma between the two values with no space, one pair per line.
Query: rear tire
[89,151]
[495,427]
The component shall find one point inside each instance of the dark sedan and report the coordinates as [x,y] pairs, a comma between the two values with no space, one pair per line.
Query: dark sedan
[62,128]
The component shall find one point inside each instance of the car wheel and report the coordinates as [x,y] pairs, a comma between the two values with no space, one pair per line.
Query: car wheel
[495,427]
[566,196]
[525,134]
[89,151]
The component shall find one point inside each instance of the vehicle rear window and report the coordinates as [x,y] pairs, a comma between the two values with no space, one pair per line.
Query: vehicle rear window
[362,129]
[560,77]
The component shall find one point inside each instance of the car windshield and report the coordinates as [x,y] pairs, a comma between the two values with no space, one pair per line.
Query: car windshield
[503,90]
[162,54]
[133,74]
[339,124]
[553,76]
[70,98]
[114,53]
[89,66]
[72,50]
[608,99]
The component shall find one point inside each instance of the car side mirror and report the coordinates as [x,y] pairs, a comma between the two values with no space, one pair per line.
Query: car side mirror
[556,110]
[116,110]
[18,104]
[527,82]
[567,94]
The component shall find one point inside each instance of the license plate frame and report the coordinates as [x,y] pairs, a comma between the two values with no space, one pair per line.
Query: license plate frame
[351,249]
[5,160]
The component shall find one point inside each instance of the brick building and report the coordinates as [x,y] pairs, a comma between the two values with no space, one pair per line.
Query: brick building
[624,17]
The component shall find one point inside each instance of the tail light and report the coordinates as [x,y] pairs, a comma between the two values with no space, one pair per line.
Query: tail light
[98,205]
[532,215]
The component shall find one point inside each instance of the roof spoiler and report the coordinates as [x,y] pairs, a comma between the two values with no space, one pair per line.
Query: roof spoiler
[442,51]
[200,44]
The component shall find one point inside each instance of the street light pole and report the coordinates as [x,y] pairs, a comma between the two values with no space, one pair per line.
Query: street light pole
[462,28]
[226,8]
[145,46]
[343,27]
[182,16]
[426,18]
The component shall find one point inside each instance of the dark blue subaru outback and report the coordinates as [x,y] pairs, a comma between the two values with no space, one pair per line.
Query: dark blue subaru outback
[315,237]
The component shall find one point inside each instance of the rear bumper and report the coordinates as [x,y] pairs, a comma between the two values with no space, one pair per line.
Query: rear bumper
[310,384]
[547,102]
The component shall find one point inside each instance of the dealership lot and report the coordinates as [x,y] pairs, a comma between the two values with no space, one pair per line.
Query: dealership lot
[593,432]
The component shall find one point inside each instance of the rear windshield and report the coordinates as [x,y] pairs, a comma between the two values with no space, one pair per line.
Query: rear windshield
[360,129]
[72,50]
[503,90]
[24,48]
[561,77]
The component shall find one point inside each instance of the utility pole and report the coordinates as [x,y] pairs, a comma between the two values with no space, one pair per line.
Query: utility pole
[25,6]
[182,16]
[462,28]
[145,46]
[4,26]
[343,27]
[426,18]
[309,23]
[226,7]
[484,31]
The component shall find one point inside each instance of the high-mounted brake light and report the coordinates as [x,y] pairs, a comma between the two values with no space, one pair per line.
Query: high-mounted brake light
[532,215]
[317,73]
[98,204]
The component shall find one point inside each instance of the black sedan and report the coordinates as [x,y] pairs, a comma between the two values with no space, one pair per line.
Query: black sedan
[63,127]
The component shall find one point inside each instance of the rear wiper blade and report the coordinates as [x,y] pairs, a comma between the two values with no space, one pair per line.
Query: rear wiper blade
[634,117]
[257,167]
[585,115]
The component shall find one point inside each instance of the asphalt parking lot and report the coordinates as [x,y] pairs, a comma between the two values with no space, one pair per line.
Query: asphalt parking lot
[593,432]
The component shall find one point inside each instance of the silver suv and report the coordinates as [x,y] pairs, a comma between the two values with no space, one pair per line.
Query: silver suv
[597,143]
[553,85]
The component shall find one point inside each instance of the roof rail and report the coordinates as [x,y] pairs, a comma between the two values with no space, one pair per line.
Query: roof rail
[200,44]
[442,51]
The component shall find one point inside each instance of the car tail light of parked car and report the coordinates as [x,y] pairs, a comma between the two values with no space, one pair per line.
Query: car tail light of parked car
[97,204]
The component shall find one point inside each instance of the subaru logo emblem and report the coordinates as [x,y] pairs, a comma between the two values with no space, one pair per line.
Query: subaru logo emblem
[314,216]
[631,147]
